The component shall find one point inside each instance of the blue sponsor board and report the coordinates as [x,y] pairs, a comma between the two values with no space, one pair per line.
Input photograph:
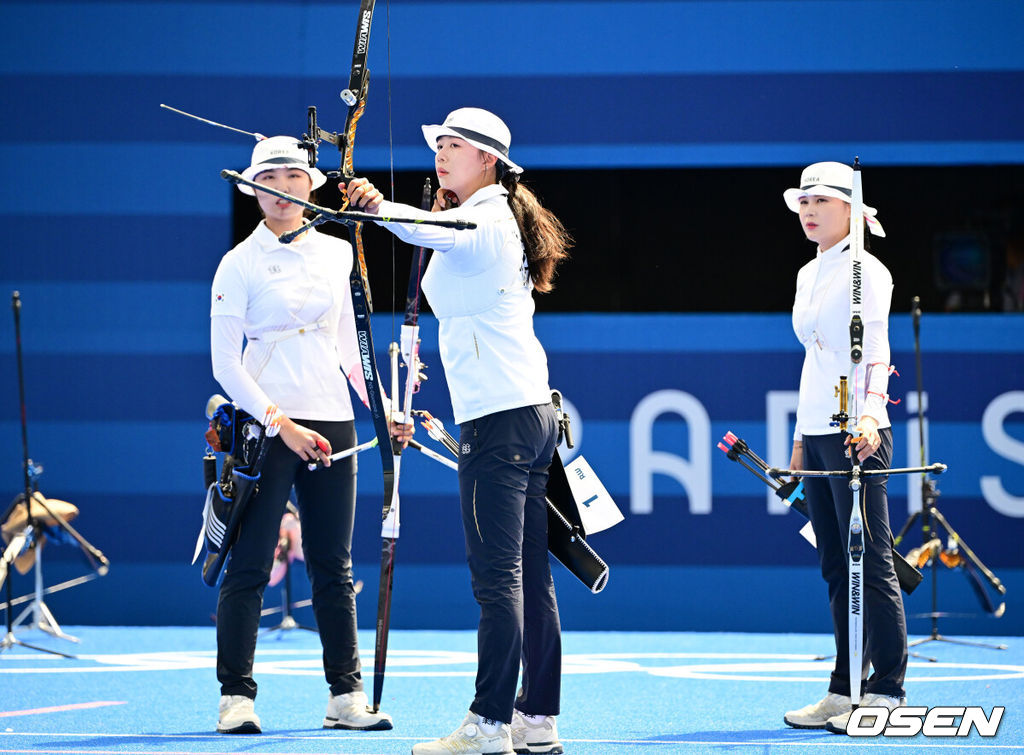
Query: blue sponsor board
[116,416]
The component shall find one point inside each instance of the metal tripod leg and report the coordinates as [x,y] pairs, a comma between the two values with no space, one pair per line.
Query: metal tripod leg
[909,645]
[936,637]
[9,640]
[41,616]
[288,621]
[931,511]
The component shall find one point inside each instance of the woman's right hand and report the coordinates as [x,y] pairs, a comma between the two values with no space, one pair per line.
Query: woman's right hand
[445,199]
[362,195]
[308,444]
[796,459]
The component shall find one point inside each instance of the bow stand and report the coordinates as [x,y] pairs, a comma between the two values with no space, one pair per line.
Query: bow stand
[956,553]
[288,541]
[26,531]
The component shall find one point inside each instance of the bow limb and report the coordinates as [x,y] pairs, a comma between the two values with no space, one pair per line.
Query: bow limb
[355,97]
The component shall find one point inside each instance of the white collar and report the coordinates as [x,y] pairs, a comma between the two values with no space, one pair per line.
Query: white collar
[484,193]
[266,239]
[835,251]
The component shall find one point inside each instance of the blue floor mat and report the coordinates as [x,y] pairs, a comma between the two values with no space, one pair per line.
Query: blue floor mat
[153,690]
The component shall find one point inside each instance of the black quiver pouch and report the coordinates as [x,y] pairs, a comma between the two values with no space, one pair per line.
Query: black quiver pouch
[566,536]
[244,443]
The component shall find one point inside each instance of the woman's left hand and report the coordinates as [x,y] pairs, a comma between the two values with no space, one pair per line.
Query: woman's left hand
[362,195]
[868,439]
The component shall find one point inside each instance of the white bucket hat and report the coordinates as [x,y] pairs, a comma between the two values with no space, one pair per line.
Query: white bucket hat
[280,152]
[483,129]
[829,180]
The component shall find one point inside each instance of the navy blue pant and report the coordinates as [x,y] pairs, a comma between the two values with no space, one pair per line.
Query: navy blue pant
[326,502]
[830,502]
[503,476]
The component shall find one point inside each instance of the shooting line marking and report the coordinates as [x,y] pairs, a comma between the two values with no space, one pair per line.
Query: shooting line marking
[61,708]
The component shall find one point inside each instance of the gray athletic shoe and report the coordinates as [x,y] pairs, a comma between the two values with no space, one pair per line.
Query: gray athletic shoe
[816,715]
[535,734]
[837,724]
[351,711]
[237,716]
[475,736]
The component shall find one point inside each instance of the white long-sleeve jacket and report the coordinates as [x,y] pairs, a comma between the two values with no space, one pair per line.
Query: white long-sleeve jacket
[293,305]
[479,288]
[821,320]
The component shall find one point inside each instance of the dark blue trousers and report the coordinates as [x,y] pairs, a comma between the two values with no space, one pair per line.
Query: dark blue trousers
[326,502]
[830,501]
[503,475]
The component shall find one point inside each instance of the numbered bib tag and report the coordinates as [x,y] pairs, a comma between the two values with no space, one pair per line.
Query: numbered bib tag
[597,509]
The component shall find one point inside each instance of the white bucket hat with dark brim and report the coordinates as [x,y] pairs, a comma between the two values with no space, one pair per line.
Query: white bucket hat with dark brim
[481,128]
[829,179]
[280,152]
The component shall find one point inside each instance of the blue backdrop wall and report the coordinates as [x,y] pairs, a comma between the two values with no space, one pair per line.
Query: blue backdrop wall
[116,220]
[116,392]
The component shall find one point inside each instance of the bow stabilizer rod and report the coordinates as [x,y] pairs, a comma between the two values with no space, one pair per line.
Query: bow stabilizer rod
[346,217]
[258,136]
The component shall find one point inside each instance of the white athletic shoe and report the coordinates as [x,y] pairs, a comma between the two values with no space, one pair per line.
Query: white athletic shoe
[816,715]
[535,734]
[837,724]
[351,711]
[237,716]
[475,736]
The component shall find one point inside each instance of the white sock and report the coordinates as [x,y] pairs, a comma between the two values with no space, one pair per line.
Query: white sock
[489,727]
[533,719]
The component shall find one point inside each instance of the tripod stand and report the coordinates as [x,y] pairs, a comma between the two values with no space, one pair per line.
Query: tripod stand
[37,611]
[29,533]
[9,640]
[932,519]
[287,620]
[31,529]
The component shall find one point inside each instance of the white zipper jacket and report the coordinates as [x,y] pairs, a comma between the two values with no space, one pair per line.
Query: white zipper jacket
[821,320]
[479,287]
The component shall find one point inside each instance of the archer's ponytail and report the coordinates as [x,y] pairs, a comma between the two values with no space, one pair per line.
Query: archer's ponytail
[544,237]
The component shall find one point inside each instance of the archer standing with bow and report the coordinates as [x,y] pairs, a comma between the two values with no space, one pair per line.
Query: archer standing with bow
[821,320]
[480,286]
[293,306]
